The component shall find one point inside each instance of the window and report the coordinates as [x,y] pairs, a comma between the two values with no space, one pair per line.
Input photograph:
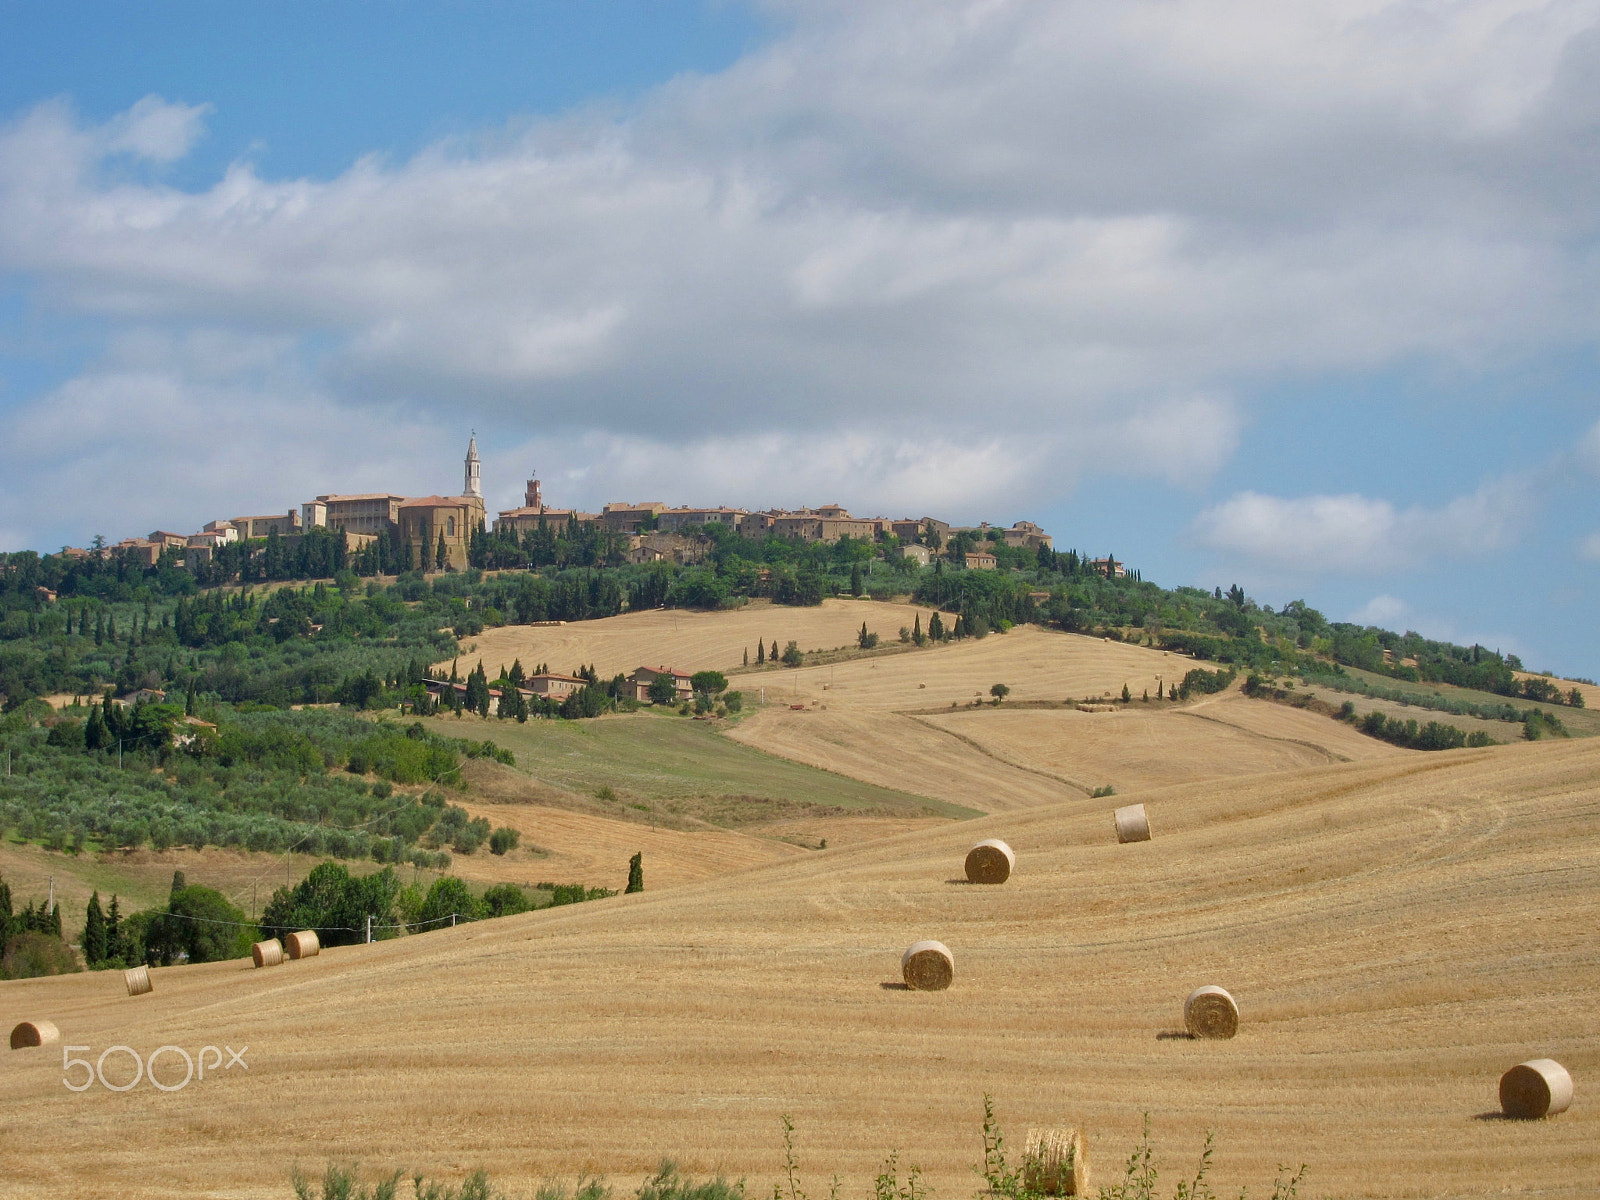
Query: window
[449,527]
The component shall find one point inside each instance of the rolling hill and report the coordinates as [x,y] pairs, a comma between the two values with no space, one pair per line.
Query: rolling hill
[1397,932]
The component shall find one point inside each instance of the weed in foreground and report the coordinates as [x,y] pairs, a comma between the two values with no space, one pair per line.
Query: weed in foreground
[343,1183]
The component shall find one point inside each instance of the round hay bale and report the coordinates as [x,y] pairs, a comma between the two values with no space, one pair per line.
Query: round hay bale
[34,1033]
[1210,1012]
[268,953]
[1053,1163]
[1132,824]
[303,944]
[138,980]
[1534,1089]
[928,966]
[990,861]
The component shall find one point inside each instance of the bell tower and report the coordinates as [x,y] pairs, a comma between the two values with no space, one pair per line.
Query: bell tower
[474,483]
[530,497]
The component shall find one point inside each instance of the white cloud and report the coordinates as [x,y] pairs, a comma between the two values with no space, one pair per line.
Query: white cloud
[1385,611]
[157,130]
[1358,533]
[906,241]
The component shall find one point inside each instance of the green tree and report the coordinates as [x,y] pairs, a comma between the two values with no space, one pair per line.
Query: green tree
[709,683]
[116,948]
[335,904]
[662,690]
[936,627]
[504,900]
[917,635]
[635,873]
[503,839]
[761,652]
[999,691]
[199,925]
[855,579]
[449,898]
[94,932]
[791,655]
[441,554]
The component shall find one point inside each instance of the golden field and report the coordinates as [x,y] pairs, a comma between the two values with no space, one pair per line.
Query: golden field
[1397,932]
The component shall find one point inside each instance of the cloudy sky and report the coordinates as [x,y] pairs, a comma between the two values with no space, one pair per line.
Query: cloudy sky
[1301,296]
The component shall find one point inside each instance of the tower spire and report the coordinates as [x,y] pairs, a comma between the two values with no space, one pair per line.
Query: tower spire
[474,483]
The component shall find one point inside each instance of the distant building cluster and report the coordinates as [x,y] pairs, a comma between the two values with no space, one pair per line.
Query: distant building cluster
[654,531]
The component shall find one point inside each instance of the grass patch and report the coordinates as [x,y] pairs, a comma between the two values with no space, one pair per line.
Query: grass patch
[687,769]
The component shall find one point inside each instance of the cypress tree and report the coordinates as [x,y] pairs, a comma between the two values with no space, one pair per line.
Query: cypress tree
[761,652]
[635,873]
[114,929]
[747,656]
[917,635]
[936,627]
[441,554]
[774,649]
[94,932]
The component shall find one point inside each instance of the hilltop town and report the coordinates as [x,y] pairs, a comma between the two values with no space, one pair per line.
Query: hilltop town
[452,533]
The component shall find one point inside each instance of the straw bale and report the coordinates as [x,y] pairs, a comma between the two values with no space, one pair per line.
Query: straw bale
[303,944]
[1538,1088]
[34,1033]
[990,861]
[1132,824]
[1210,1012]
[268,953]
[928,966]
[1054,1163]
[138,980]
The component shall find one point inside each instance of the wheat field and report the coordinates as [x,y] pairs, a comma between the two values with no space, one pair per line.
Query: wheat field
[1397,933]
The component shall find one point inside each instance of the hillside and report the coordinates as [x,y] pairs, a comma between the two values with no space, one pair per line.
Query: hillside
[1397,934]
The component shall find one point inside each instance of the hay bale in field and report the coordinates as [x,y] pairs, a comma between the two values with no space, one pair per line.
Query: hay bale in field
[1538,1088]
[1053,1163]
[990,861]
[1132,824]
[268,953]
[928,966]
[304,944]
[1210,1012]
[138,980]
[34,1033]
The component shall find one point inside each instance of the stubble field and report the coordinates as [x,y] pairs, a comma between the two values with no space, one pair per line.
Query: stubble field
[1397,934]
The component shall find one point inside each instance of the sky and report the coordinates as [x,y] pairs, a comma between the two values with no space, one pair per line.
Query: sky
[1301,297]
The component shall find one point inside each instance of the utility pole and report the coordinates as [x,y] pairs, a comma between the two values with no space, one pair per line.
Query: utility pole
[51,907]
[369,928]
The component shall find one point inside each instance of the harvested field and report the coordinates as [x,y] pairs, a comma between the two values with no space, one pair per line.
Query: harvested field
[1143,747]
[892,720]
[1400,932]
[684,638]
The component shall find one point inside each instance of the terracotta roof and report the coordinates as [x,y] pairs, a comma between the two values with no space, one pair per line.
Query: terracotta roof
[359,496]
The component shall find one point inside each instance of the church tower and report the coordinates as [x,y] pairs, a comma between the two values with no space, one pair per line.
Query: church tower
[530,495]
[474,484]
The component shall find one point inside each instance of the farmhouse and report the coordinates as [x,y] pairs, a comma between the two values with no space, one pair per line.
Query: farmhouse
[642,678]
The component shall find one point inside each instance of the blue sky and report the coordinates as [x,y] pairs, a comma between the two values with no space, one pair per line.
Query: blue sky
[1302,297]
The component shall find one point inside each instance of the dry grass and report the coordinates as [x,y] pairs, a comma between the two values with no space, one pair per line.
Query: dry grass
[890,722]
[1399,932]
[688,640]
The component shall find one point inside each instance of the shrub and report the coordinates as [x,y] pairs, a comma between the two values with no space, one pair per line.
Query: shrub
[447,898]
[32,954]
[506,900]
[503,839]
